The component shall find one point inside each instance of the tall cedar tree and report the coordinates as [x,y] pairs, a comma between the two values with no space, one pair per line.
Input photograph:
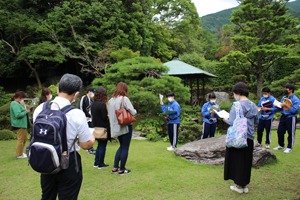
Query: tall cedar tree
[262,38]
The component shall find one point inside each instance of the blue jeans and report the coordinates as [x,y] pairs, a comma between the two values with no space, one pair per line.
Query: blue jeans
[122,153]
[100,152]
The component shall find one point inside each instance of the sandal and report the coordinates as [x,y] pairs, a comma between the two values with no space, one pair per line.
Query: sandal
[126,171]
[114,171]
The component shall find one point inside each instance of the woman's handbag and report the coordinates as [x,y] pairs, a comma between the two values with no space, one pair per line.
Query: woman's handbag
[124,116]
[100,133]
[237,134]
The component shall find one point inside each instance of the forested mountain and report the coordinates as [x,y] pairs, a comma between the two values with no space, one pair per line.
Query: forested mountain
[212,21]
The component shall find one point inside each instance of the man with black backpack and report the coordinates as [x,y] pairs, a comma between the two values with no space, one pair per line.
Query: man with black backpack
[66,179]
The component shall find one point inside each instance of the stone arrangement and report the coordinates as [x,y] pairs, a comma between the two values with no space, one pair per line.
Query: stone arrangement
[211,151]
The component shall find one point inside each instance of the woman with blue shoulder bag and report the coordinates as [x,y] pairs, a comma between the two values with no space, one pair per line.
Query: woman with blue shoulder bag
[238,161]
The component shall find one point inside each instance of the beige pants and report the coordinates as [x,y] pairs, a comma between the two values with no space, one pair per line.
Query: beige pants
[22,138]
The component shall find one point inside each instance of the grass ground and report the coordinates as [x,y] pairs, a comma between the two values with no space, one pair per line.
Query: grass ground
[156,174]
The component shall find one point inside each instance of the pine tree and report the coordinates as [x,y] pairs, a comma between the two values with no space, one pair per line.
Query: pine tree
[262,39]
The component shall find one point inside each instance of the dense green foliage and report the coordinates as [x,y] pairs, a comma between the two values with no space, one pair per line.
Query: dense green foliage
[277,87]
[158,28]
[6,134]
[5,116]
[4,98]
[284,67]
[189,131]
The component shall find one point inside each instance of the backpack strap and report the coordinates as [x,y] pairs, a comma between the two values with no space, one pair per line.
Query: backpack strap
[67,108]
[47,105]
[76,162]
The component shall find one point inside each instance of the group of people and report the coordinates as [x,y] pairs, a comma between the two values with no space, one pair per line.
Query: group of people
[267,109]
[67,183]
[100,113]
[238,162]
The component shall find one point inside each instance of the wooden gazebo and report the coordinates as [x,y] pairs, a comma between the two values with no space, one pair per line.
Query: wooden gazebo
[189,74]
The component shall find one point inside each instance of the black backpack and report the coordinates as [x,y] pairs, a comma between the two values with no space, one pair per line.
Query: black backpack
[48,151]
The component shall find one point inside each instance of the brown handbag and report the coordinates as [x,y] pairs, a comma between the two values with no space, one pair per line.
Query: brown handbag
[124,116]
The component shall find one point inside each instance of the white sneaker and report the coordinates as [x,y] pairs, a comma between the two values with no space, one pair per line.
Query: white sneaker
[23,156]
[246,190]
[170,149]
[279,148]
[267,146]
[288,150]
[235,188]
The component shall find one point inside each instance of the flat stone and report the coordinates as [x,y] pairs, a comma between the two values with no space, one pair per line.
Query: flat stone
[211,151]
[136,135]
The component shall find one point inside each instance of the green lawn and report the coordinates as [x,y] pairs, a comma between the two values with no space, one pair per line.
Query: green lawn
[156,174]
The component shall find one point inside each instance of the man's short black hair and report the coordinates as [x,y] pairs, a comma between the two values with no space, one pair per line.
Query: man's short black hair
[90,89]
[266,89]
[70,83]
[290,86]
[170,94]
[241,89]
[211,96]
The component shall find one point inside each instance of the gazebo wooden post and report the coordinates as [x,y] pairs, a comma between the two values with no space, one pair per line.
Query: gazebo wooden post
[191,86]
[203,90]
[198,92]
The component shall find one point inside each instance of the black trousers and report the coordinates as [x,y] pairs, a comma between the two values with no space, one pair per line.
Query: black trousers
[66,183]
[173,134]
[289,125]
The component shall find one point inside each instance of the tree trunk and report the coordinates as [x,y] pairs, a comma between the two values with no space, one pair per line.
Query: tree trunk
[259,78]
[35,73]
[37,78]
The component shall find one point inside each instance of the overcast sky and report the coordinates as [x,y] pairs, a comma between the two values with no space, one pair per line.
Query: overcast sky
[205,7]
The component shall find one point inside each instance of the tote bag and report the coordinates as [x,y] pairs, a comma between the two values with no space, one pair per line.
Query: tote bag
[237,133]
[124,116]
[100,133]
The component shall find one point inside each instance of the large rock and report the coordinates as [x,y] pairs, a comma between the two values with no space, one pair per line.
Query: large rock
[211,151]
[221,96]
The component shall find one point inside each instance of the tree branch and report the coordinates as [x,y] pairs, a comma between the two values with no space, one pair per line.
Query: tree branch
[12,48]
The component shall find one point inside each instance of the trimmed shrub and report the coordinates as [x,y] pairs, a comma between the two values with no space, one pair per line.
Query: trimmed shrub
[6,134]
[4,98]
[189,131]
[5,116]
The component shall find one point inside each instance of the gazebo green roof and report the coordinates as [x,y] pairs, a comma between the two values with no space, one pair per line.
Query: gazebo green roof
[179,68]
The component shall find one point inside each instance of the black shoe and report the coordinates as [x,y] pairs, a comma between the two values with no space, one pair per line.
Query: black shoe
[91,152]
[126,171]
[96,165]
[102,166]
[116,171]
